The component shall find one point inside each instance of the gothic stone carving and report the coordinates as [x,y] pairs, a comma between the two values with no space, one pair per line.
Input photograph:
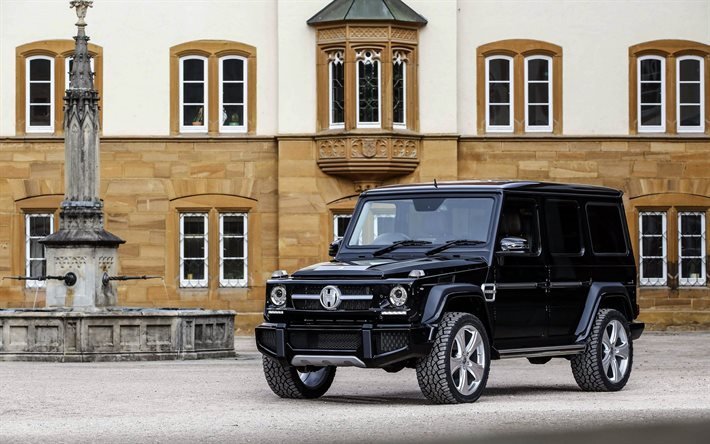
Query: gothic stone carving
[331,149]
[369,148]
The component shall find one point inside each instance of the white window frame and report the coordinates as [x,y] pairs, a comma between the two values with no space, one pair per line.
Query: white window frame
[194,283]
[28,238]
[400,58]
[500,128]
[223,282]
[651,128]
[233,128]
[539,128]
[690,282]
[375,58]
[36,128]
[335,57]
[663,280]
[336,218]
[67,71]
[691,129]
[193,128]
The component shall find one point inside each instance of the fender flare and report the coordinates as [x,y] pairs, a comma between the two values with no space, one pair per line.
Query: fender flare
[599,291]
[439,295]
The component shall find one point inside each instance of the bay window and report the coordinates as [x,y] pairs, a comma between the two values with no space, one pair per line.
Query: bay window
[368,74]
[336,89]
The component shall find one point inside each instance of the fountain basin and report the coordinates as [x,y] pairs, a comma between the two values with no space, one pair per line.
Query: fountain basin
[115,334]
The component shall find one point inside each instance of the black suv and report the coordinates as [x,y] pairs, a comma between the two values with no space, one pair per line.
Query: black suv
[445,277]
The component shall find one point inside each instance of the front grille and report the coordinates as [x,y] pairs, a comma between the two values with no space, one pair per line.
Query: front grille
[314,304]
[310,340]
[388,341]
[346,290]
[267,338]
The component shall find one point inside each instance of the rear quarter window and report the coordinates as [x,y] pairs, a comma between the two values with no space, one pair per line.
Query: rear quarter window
[564,233]
[606,229]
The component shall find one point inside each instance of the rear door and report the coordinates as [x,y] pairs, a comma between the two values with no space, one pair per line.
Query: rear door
[520,278]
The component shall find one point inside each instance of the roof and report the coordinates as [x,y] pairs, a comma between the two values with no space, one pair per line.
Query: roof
[497,185]
[375,10]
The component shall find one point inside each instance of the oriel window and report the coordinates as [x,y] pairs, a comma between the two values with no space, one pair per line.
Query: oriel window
[193,94]
[399,89]
[40,95]
[368,88]
[336,77]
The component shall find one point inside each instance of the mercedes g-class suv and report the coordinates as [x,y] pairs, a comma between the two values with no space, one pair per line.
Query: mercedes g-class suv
[445,277]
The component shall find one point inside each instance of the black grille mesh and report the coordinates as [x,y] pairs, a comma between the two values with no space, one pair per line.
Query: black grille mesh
[345,289]
[267,338]
[314,304]
[325,341]
[390,340]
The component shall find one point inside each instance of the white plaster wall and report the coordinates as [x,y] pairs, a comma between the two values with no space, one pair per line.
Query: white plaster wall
[595,37]
[136,36]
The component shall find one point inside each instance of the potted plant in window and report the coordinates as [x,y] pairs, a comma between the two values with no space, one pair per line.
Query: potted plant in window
[232,120]
[199,118]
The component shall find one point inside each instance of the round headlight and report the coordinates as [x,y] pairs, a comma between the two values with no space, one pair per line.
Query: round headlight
[278,295]
[398,296]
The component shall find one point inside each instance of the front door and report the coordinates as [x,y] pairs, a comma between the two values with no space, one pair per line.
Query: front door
[520,279]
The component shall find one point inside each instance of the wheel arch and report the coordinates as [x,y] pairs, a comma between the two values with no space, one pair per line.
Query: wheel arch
[603,295]
[467,298]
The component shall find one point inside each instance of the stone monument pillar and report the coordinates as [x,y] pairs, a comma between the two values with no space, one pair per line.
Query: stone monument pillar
[81,246]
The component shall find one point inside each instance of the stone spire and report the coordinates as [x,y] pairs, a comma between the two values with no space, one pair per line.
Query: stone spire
[81,246]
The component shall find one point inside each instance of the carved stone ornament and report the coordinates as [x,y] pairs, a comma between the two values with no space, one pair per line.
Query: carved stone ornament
[368,161]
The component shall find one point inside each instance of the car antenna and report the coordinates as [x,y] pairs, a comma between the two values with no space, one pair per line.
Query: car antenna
[435,184]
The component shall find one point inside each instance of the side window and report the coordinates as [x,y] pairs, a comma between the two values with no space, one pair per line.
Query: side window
[563,227]
[519,219]
[606,229]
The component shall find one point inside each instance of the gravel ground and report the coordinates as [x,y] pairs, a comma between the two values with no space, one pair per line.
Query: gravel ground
[667,400]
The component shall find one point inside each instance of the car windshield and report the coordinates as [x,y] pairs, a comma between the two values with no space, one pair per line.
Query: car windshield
[430,220]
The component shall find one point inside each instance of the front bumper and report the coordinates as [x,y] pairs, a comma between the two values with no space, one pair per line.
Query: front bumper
[366,345]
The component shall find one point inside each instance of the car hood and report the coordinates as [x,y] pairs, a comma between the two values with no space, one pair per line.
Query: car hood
[379,268]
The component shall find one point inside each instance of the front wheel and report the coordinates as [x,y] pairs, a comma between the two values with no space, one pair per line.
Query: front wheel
[605,364]
[290,382]
[456,369]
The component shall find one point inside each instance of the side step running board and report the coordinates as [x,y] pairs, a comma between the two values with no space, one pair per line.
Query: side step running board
[541,352]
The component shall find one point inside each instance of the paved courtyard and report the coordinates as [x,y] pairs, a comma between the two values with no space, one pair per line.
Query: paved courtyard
[667,398]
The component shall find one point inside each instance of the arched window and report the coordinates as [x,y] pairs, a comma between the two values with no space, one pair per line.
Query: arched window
[399,89]
[40,94]
[652,94]
[667,92]
[42,77]
[193,94]
[521,81]
[232,93]
[538,93]
[368,73]
[336,82]
[499,94]
[213,87]
[690,90]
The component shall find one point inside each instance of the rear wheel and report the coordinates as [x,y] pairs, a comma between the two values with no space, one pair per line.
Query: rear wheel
[291,382]
[456,369]
[605,364]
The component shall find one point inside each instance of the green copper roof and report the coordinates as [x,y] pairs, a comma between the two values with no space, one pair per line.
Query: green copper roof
[385,10]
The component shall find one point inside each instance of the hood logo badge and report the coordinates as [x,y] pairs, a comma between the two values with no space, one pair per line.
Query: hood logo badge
[330,297]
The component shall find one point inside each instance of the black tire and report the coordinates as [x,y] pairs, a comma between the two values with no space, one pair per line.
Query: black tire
[588,367]
[434,371]
[286,381]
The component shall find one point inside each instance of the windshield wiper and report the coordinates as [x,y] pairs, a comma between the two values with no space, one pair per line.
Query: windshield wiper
[401,243]
[454,243]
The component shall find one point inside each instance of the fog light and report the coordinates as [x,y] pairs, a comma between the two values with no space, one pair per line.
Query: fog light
[398,296]
[278,295]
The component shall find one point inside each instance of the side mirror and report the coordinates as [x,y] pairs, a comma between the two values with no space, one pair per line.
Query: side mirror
[334,247]
[514,245]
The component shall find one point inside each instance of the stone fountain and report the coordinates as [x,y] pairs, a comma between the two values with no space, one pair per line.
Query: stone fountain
[81,321]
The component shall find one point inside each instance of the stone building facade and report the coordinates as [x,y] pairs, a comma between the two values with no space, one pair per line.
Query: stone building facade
[237,135]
